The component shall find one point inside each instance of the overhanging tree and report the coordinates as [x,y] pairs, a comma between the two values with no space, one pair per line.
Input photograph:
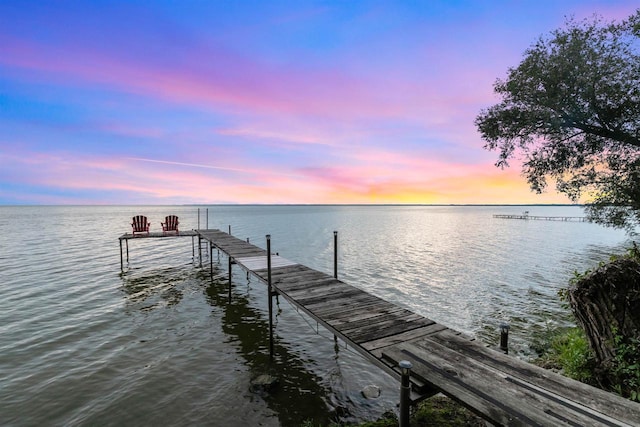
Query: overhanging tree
[571,112]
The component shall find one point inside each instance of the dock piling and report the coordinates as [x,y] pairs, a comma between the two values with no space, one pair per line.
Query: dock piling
[247,270]
[270,297]
[335,254]
[504,337]
[335,266]
[121,261]
[405,392]
[230,264]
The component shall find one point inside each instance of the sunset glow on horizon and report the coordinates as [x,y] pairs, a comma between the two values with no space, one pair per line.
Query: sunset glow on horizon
[262,102]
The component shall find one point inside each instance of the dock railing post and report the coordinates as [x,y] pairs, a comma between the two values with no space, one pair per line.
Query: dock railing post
[335,254]
[198,218]
[121,261]
[269,293]
[207,220]
[504,337]
[405,392]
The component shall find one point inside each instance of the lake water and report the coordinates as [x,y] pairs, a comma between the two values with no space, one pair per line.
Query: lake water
[83,344]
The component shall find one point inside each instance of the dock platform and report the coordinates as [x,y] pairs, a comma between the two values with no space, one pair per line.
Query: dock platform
[502,389]
[153,235]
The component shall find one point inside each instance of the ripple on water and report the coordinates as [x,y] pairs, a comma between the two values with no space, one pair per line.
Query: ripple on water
[161,344]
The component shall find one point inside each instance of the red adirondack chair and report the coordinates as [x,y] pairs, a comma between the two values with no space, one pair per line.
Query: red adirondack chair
[170,224]
[140,224]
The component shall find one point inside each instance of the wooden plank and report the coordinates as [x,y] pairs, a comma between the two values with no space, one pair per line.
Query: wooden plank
[327,289]
[350,309]
[309,282]
[316,287]
[295,283]
[564,398]
[368,317]
[498,400]
[242,252]
[330,297]
[595,398]
[260,262]
[392,328]
[157,234]
[275,272]
[341,318]
[291,278]
[377,345]
[291,271]
[354,303]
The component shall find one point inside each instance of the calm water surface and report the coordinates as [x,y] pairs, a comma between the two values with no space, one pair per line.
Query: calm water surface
[83,344]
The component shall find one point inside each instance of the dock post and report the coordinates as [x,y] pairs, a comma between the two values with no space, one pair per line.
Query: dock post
[229,229]
[121,261]
[199,247]
[405,392]
[193,248]
[211,261]
[335,254]
[247,269]
[207,220]
[230,263]
[270,299]
[504,337]
[126,243]
[335,268]
[198,218]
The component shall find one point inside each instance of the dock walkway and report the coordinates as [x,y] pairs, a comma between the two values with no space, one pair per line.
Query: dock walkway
[544,218]
[504,390]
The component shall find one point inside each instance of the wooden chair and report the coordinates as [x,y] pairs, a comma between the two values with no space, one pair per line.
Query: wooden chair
[170,224]
[140,224]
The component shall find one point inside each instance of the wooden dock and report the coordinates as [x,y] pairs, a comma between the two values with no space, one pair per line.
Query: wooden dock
[544,218]
[502,389]
[154,235]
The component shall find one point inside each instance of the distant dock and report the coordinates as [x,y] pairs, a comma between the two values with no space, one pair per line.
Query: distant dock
[526,216]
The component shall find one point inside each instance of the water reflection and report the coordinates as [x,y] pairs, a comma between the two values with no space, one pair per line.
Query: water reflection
[298,395]
[153,289]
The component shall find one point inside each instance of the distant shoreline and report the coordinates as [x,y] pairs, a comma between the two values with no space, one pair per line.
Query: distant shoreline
[317,204]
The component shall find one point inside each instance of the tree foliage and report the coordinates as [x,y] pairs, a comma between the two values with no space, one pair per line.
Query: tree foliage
[571,113]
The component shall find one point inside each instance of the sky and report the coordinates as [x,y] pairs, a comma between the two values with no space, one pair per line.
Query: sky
[292,102]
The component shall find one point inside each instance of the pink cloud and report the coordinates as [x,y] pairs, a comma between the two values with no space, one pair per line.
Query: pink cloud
[153,182]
